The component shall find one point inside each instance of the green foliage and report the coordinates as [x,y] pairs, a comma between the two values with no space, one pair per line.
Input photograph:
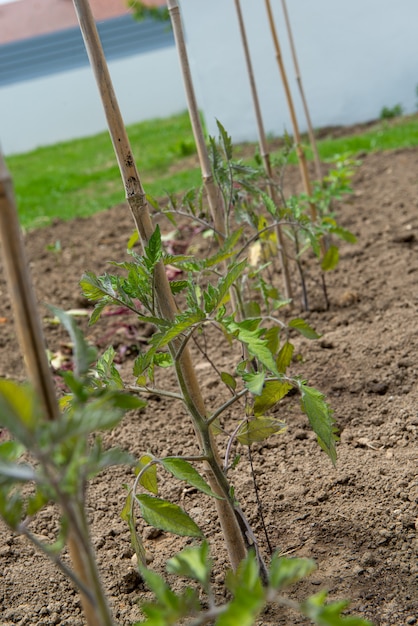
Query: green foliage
[60,456]
[141,11]
[388,113]
[167,516]
[249,596]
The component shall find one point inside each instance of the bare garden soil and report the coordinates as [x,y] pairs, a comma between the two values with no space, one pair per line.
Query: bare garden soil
[357,520]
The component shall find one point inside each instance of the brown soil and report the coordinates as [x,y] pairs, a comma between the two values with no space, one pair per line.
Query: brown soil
[358,520]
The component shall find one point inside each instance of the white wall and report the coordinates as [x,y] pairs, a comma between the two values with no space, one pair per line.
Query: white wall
[355,57]
[67,105]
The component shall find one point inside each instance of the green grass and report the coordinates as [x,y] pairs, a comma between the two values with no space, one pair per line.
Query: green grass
[81,177]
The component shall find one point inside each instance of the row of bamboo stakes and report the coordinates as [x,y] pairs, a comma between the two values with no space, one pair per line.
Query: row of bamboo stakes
[27,320]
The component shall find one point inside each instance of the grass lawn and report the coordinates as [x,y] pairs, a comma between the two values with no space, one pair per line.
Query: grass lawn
[81,177]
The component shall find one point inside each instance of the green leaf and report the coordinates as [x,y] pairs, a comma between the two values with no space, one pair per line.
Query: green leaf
[272,393]
[284,358]
[303,328]
[183,470]
[133,239]
[320,418]
[344,234]
[136,541]
[20,412]
[254,382]
[11,450]
[192,563]
[249,333]
[84,354]
[259,429]
[107,370]
[285,572]
[225,140]
[167,516]
[331,258]
[177,286]
[249,596]
[227,281]
[229,380]
[269,204]
[148,478]
[272,336]
[154,250]
[181,323]
[329,614]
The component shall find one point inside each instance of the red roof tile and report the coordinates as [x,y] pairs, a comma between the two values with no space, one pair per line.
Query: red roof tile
[27,18]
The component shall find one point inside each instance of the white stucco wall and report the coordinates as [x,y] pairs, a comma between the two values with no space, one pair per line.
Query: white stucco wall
[67,105]
[355,57]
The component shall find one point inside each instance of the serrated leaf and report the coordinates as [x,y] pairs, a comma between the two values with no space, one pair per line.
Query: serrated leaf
[192,563]
[163,359]
[303,328]
[108,371]
[344,234]
[181,323]
[183,470]
[177,286]
[229,380]
[320,418]
[254,382]
[249,333]
[226,140]
[269,204]
[167,516]
[284,358]
[84,353]
[148,478]
[227,281]
[284,572]
[272,393]
[331,258]
[154,250]
[259,429]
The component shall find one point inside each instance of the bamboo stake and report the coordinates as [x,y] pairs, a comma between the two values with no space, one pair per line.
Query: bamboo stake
[29,331]
[28,326]
[136,198]
[264,151]
[311,134]
[213,193]
[299,150]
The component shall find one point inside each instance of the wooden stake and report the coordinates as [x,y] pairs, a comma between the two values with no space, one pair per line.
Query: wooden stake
[28,326]
[213,193]
[311,134]
[264,151]
[136,198]
[29,331]
[298,143]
